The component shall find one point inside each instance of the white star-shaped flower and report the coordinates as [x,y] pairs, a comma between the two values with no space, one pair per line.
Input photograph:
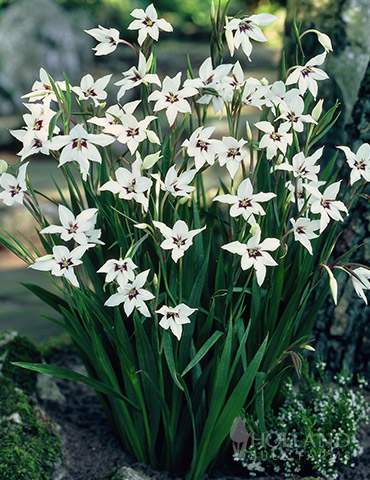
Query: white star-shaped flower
[231,153]
[148,23]
[359,162]
[362,282]
[79,146]
[245,203]
[136,76]
[201,147]
[132,132]
[303,167]
[175,317]
[304,229]
[62,262]
[178,239]
[132,295]
[130,185]
[308,75]
[90,89]
[73,228]
[255,254]
[178,186]
[172,98]
[292,111]
[108,39]
[14,188]
[43,90]
[247,29]
[274,140]
[121,270]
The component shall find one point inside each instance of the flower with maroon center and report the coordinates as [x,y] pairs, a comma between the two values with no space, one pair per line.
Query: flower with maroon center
[308,75]
[178,186]
[79,146]
[131,132]
[255,254]
[292,111]
[326,204]
[132,295]
[148,23]
[43,90]
[231,153]
[304,229]
[359,162]
[275,140]
[303,167]
[14,187]
[202,148]
[178,239]
[245,203]
[130,185]
[175,317]
[73,228]
[172,98]
[121,270]
[136,76]
[62,262]
[108,39]
[92,89]
[247,29]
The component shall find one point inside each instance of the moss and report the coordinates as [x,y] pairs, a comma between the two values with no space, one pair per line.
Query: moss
[19,349]
[56,345]
[28,450]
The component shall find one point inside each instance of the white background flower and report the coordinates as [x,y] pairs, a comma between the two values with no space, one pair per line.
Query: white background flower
[108,39]
[175,317]
[121,270]
[148,23]
[14,188]
[359,162]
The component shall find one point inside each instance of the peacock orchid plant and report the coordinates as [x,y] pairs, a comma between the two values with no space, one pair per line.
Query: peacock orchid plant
[185,304]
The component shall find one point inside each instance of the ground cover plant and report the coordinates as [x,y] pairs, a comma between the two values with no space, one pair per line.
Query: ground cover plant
[186,306]
[315,430]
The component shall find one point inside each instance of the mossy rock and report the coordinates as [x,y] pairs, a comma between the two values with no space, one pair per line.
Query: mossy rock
[15,348]
[28,448]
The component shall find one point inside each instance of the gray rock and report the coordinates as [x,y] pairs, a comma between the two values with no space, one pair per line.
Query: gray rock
[128,473]
[47,389]
[40,33]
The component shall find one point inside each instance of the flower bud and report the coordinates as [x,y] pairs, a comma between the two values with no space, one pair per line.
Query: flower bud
[264,81]
[255,228]
[151,160]
[325,41]
[141,226]
[332,284]
[152,137]
[155,280]
[149,62]
[3,166]
[213,10]
[229,39]
[317,110]
[308,347]
[183,200]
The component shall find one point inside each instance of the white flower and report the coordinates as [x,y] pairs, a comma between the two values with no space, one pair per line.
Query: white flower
[14,188]
[326,204]
[130,185]
[303,229]
[303,167]
[131,132]
[245,202]
[73,228]
[148,23]
[325,41]
[362,282]
[62,262]
[178,239]
[274,140]
[136,76]
[121,270]
[177,186]
[79,146]
[33,142]
[359,162]
[175,317]
[172,98]
[201,147]
[108,39]
[292,111]
[132,295]
[114,115]
[248,28]
[253,92]
[43,90]
[231,153]
[255,254]
[297,190]
[308,75]
[92,89]
[276,93]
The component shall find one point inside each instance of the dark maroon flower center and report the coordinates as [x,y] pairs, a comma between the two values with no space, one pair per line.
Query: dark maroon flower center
[254,252]
[65,263]
[203,145]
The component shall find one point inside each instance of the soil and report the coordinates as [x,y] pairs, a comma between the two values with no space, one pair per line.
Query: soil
[92,452]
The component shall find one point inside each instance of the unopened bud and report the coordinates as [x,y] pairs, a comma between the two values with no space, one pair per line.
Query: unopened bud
[229,38]
[151,160]
[152,137]
[149,62]
[141,226]
[332,284]
[3,166]
[155,280]
[308,347]
[264,81]
[290,197]
[213,10]
[325,41]
[317,110]
[249,131]
[255,229]
[183,200]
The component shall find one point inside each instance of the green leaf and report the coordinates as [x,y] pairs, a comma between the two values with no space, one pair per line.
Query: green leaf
[202,351]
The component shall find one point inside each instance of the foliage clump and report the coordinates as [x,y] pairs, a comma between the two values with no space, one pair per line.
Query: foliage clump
[314,431]
[28,449]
